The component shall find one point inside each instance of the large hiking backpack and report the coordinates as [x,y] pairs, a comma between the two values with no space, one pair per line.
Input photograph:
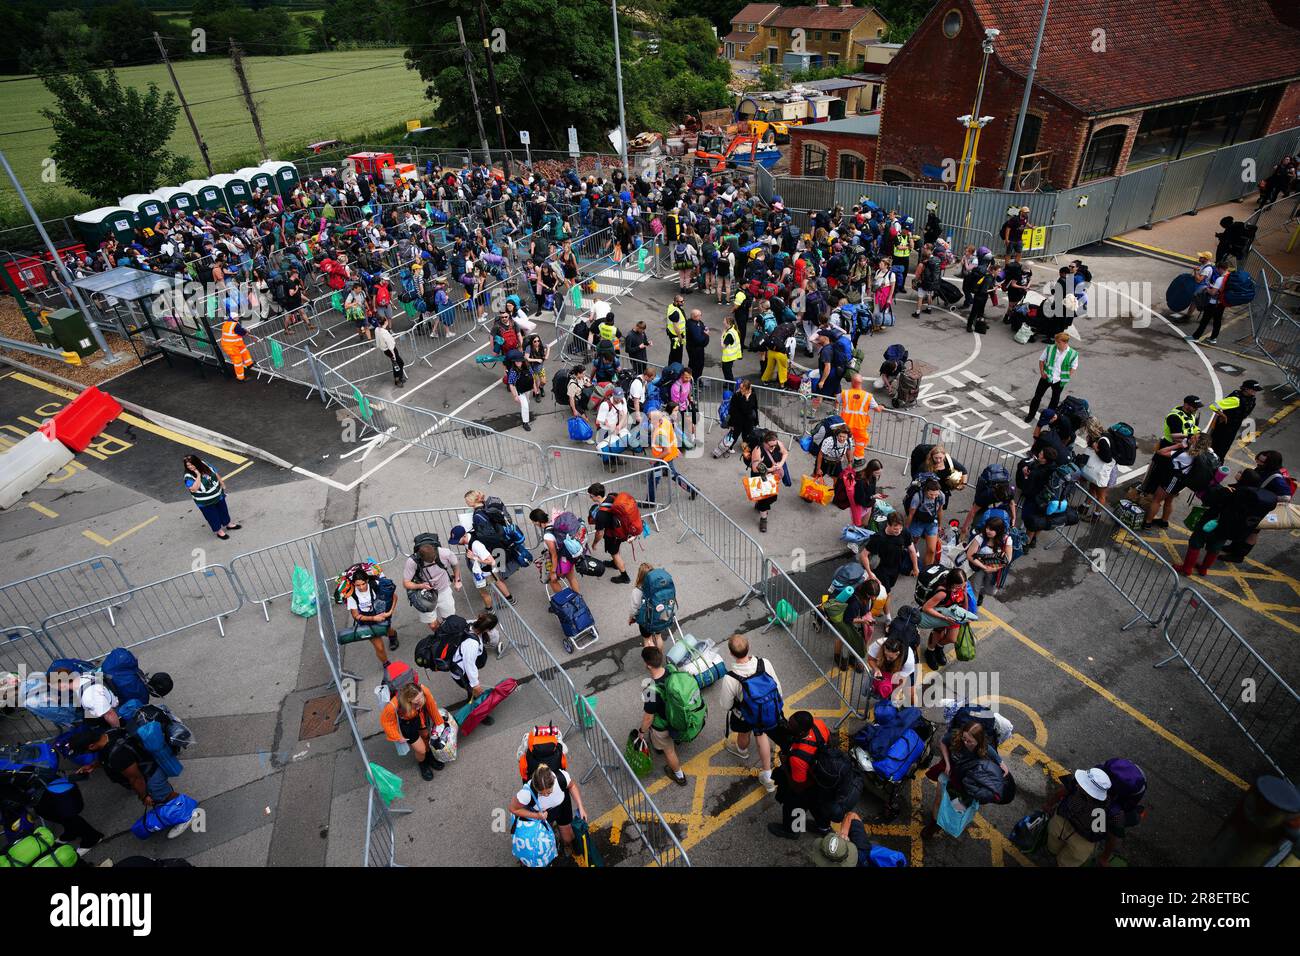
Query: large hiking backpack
[658,607]
[843,351]
[684,706]
[896,354]
[629,525]
[489,525]
[664,381]
[569,532]
[1123,443]
[38,848]
[1075,409]
[542,745]
[994,474]
[837,780]
[437,651]
[822,431]
[1052,497]
[929,581]
[760,703]
[1201,472]
[681,258]
[1239,289]
[560,387]
[907,626]
[909,386]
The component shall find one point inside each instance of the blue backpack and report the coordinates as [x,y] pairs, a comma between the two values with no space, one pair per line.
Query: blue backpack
[902,754]
[122,673]
[760,704]
[658,607]
[843,352]
[1239,289]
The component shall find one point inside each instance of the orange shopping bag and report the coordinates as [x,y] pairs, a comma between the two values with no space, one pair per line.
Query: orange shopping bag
[818,492]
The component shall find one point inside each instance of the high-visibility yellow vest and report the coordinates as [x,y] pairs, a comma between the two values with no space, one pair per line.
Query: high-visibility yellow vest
[903,246]
[855,409]
[731,345]
[677,324]
[1189,423]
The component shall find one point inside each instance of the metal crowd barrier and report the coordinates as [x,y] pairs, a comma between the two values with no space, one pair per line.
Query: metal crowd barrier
[27,602]
[381,836]
[22,655]
[725,540]
[803,622]
[634,483]
[643,817]
[145,613]
[570,470]
[267,573]
[1137,572]
[1251,693]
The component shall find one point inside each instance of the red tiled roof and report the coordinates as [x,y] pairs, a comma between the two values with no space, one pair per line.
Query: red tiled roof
[739,36]
[820,18]
[1155,50]
[755,12]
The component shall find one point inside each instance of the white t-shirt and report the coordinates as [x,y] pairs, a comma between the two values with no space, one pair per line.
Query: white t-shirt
[362,603]
[478,555]
[96,699]
[536,801]
[466,657]
[1054,371]
[902,675]
[609,416]
[636,390]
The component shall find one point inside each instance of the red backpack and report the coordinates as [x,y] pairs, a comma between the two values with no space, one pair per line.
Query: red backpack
[627,515]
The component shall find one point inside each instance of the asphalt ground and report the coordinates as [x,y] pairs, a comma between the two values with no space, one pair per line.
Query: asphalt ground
[1077,688]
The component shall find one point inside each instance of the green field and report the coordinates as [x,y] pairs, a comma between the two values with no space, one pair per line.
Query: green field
[319,96]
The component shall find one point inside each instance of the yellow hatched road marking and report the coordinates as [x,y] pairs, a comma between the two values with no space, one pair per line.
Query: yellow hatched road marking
[105,542]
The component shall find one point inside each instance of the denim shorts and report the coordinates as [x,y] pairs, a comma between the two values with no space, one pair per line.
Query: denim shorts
[923,529]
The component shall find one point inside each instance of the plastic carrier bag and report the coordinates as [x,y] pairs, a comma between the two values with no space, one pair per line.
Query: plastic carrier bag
[304,593]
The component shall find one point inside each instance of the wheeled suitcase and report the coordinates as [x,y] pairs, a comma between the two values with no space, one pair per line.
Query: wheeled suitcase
[575,620]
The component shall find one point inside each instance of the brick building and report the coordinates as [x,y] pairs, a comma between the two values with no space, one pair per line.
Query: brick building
[765,33]
[840,149]
[1120,84]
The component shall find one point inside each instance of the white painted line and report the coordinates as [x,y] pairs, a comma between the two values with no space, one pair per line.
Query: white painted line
[1018,422]
[979,397]
[973,356]
[954,382]
[999,393]
[972,376]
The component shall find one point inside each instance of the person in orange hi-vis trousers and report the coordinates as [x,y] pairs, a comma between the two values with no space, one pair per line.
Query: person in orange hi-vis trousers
[232,343]
[855,406]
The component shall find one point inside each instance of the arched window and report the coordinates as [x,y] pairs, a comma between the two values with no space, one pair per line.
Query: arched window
[1102,154]
[814,159]
[852,166]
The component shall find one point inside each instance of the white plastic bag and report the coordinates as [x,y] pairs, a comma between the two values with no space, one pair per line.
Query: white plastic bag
[448,733]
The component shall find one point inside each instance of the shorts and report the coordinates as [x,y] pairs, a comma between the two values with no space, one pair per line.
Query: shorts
[1068,845]
[411,728]
[1014,247]
[561,816]
[611,545]
[923,529]
[662,739]
[831,387]
[736,725]
[446,607]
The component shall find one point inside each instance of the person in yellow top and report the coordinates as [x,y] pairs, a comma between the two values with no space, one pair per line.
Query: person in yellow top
[855,406]
[232,343]
[731,353]
[665,449]
[676,319]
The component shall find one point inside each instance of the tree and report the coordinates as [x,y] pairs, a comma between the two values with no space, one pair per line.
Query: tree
[111,140]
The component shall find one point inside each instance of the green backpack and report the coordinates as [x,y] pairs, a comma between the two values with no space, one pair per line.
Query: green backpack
[684,706]
[38,848]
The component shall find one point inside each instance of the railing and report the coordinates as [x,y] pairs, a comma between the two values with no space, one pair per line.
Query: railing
[634,483]
[267,573]
[145,613]
[381,836]
[28,601]
[1137,572]
[570,470]
[1251,693]
[1275,330]
[725,540]
[22,656]
[643,817]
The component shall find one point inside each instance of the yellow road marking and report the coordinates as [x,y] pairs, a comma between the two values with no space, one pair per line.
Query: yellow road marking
[1149,248]
[104,542]
[229,475]
[137,422]
[1126,707]
[41,509]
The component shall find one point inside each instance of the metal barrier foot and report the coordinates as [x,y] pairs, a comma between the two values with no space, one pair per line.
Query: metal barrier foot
[1167,660]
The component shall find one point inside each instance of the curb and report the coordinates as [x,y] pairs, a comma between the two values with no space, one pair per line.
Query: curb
[188,429]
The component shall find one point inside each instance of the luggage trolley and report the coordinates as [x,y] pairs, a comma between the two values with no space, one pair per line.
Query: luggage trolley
[576,620]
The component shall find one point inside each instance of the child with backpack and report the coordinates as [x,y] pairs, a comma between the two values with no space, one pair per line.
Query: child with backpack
[751,695]
[674,711]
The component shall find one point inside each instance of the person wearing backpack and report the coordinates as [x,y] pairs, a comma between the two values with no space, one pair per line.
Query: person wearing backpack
[970,772]
[555,563]
[1055,366]
[1171,468]
[752,697]
[372,616]
[939,616]
[1212,304]
[666,697]
[431,577]
[1035,473]
[125,760]
[1079,813]
[924,505]
[553,797]
[1230,413]
[412,715]
[616,519]
[484,566]
[806,737]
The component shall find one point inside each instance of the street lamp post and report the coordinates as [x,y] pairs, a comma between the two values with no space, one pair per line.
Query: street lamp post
[973,120]
[618,73]
[1024,101]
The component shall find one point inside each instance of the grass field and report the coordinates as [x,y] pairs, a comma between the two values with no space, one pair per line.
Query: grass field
[307,97]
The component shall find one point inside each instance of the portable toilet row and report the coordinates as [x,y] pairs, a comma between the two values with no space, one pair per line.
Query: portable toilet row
[224,191]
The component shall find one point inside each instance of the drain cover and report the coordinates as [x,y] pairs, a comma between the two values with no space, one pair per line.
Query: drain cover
[318,716]
[1228,369]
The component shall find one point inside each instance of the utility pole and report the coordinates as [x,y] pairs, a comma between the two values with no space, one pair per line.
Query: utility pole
[618,74]
[109,357]
[203,147]
[1024,101]
[237,64]
[496,97]
[473,91]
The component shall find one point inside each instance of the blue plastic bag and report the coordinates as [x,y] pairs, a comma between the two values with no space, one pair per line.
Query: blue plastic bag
[951,821]
[174,812]
[533,843]
[579,429]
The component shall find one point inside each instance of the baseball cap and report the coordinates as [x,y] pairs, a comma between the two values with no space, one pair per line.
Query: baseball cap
[1093,782]
[1251,384]
[96,699]
[456,534]
[1193,400]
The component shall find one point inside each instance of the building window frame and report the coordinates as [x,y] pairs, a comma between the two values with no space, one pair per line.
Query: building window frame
[1088,159]
[952,27]
[809,150]
[835,36]
[851,154]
